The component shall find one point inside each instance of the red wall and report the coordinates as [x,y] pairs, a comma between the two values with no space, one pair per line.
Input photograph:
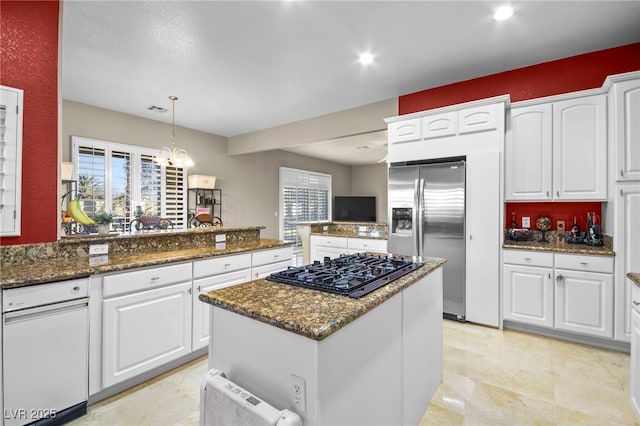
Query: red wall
[572,74]
[580,72]
[556,211]
[29,61]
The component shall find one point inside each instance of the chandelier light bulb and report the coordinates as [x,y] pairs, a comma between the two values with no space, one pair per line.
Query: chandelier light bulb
[173,156]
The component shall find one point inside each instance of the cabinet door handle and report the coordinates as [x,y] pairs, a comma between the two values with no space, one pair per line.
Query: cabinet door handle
[584,263]
[528,259]
[547,194]
[635,303]
[557,193]
[470,237]
[275,256]
[622,173]
[199,289]
[155,278]
[226,265]
[559,278]
[188,291]
[621,192]
[549,275]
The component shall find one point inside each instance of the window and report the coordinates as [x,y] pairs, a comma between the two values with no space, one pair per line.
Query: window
[124,180]
[304,197]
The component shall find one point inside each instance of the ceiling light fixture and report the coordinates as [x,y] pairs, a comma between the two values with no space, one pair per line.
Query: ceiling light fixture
[502,13]
[173,156]
[366,58]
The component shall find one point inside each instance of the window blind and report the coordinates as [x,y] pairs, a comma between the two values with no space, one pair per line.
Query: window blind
[124,180]
[304,197]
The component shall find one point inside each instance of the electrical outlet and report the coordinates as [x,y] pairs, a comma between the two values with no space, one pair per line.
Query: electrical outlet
[362,229]
[526,222]
[298,394]
[325,228]
[98,249]
[561,226]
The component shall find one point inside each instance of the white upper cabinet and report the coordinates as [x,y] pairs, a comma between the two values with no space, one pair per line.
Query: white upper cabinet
[580,148]
[478,119]
[440,125]
[447,132]
[528,154]
[10,160]
[626,130]
[405,131]
[558,151]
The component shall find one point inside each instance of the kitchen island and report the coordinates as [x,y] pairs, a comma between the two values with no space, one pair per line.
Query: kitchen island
[372,360]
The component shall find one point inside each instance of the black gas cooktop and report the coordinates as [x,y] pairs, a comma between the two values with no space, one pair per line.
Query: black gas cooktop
[352,275]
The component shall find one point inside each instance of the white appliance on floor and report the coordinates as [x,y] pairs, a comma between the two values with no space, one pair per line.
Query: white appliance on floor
[45,352]
[222,402]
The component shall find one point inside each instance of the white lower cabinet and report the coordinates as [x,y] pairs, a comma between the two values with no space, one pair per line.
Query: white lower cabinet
[528,294]
[563,291]
[634,381]
[321,247]
[145,330]
[265,262]
[146,320]
[200,338]
[325,246]
[584,302]
[212,274]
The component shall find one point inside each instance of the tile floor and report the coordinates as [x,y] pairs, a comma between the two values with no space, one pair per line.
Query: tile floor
[491,377]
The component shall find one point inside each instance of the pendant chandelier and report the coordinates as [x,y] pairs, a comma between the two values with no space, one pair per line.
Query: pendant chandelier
[173,156]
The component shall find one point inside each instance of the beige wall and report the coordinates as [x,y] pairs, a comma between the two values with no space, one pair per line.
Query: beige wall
[354,121]
[371,181]
[249,182]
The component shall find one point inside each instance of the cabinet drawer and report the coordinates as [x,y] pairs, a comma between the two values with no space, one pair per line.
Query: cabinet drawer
[265,257]
[529,258]
[265,270]
[144,279]
[584,263]
[365,244]
[221,265]
[329,241]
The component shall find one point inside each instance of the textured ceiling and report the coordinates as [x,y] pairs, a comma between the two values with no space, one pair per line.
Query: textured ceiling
[241,66]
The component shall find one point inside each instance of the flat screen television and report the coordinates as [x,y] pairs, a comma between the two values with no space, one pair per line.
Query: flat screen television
[354,209]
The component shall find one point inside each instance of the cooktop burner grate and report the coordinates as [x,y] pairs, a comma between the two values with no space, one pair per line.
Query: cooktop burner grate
[352,275]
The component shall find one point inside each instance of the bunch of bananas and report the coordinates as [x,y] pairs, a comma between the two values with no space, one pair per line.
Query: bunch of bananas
[76,212]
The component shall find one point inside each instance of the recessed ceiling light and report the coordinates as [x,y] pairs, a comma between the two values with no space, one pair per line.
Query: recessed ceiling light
[366,58]
[502,13]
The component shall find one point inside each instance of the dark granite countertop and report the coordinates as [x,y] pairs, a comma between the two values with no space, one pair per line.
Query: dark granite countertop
[55,269]
[555,248]
[635,277]
[309,313]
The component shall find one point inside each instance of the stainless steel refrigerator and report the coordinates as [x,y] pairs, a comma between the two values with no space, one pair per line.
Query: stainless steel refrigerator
[427,219]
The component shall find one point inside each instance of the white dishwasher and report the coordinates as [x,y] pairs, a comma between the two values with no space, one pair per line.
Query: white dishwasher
[45,352]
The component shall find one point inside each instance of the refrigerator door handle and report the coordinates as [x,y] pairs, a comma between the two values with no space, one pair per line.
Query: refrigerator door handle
[414,217]
[420,195]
